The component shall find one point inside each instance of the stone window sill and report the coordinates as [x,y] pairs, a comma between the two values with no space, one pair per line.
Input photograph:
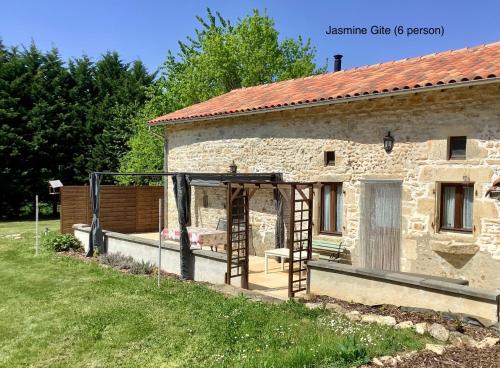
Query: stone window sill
[454,247]
[444,235]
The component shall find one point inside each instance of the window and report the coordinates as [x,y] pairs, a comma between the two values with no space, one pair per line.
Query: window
[331,208]
[457,148]
[329,158]
[456,206]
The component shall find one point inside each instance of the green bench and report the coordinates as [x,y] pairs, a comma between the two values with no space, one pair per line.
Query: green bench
[334,249]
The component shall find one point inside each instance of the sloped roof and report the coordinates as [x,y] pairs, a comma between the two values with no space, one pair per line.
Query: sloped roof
[447,67]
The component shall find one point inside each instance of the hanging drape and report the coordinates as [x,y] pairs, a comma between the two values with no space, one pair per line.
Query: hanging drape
[449,207]
[327,192]
[279,233]
[339,209]
[95,237]
[182,194]
[467,212]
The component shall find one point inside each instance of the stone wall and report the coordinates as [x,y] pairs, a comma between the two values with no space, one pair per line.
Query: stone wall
[293,143]
[262,215]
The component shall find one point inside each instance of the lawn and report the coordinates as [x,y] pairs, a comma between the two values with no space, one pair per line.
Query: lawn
[58,311]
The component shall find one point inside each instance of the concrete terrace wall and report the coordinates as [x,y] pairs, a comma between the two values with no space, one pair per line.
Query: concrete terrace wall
[379,287]
[208,266]
[293,143]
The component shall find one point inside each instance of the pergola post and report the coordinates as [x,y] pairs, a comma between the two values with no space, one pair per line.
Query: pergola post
[290,241]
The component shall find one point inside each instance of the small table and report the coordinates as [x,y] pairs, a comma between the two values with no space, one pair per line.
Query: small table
[283,253]
[198,237]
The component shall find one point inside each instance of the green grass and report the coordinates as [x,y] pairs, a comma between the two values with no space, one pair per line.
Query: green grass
[56,311]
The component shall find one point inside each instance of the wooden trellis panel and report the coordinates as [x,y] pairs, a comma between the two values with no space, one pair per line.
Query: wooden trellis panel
[237,233]
[299,237]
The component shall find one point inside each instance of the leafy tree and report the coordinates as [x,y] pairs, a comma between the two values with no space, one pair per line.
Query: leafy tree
[61,120]
[221,57]
[12,146]
[17,72]
[145,149]
[120,91]
[53,134]
[82,97]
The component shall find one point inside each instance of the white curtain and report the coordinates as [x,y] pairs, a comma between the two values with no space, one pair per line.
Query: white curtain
[326,207]
[339,209]
[467,213]
[449,207]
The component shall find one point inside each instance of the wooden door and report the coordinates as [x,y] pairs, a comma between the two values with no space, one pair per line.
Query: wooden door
[380,232]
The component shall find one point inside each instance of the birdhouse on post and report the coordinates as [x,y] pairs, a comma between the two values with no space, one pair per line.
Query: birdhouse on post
[55,186]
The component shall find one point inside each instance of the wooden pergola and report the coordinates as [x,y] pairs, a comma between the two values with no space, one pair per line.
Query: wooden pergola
[299,197]
[239,190]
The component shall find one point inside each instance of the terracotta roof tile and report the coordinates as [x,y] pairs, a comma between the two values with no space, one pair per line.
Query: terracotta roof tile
[462,65]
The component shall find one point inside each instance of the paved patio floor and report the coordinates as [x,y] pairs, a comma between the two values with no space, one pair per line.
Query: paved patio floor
[274,284]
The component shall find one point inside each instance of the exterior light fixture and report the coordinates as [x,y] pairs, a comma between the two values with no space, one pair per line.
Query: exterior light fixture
[494,190]
[233,168]
[388,142]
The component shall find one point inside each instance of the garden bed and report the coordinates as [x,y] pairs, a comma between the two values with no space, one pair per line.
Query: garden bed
[402,314]
[453,357]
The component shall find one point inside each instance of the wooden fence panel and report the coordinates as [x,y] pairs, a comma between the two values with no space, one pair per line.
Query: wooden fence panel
[123,209]
[147,208]
[75,207]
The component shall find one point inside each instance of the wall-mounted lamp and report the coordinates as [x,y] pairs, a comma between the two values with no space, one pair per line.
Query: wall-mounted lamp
[494,190]
[388,142]
[233,168]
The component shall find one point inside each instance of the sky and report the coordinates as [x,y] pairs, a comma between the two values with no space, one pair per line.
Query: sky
[146,29]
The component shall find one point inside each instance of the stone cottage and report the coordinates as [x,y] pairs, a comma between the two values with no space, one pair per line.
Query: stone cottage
[402,153]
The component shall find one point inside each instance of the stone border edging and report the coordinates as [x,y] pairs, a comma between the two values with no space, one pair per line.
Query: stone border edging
[435,330]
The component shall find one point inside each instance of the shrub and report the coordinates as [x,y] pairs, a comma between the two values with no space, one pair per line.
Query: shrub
[351,351]
[118,260]
[61,243]
[141,268]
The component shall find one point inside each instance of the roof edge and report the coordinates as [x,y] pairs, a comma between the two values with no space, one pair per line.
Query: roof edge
[326,102]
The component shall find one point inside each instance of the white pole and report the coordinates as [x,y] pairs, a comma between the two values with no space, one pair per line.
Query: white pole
[160,216]
[36,224]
